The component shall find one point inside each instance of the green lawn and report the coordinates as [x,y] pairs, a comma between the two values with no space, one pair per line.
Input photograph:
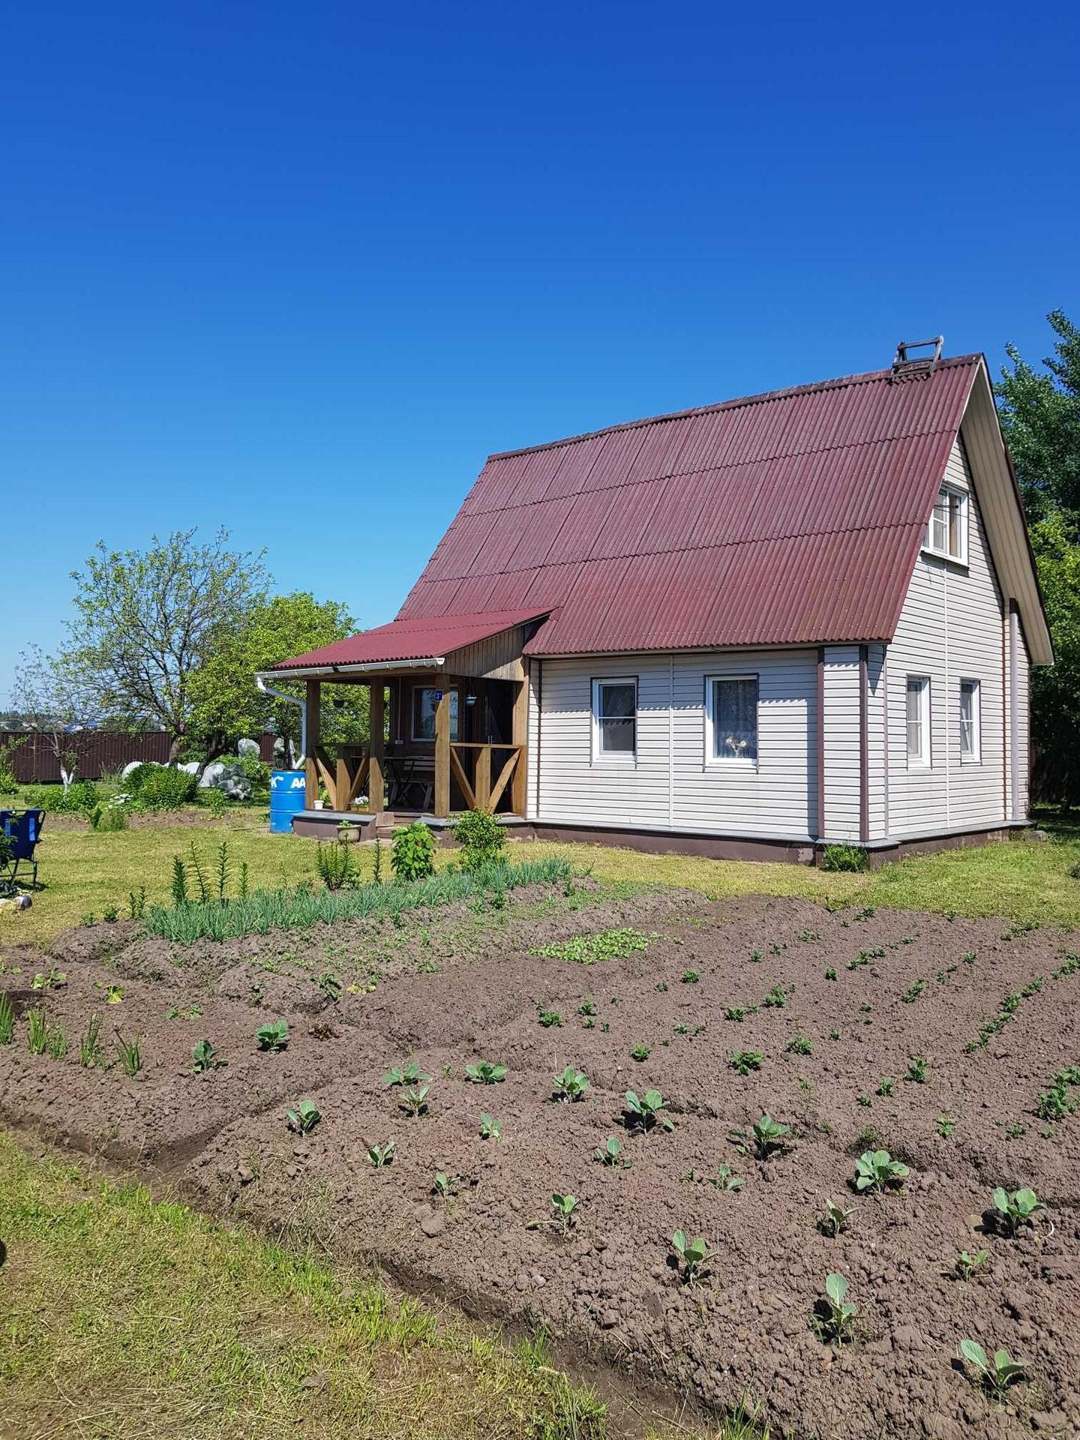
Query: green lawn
[86,873]
[129,1317]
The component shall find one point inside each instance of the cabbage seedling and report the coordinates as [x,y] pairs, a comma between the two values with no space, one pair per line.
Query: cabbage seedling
[381,1155]
[489,1129]
[564,1207]
[205,1057]
[692,1255]
[769,1136]
[410,1075]
[485,1073]
[833,1317]
[725,1180]
[648,1110]
[273,1036]
[610,1153]
[876,1170]
[996,1374]
[414,1102]
[1016,1209]
[640,1052]
[969,1265]
[441,1184]
[571,1084]
[304,1118]
[835,1219]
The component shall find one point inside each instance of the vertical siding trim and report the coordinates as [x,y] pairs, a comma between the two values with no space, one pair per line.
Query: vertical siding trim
[864,744]
[1014,710]
[671,739]
[1004,737]
[821,742]
[885,734]
[539,724]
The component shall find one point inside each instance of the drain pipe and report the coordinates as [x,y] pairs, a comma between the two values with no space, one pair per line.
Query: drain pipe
[291,700]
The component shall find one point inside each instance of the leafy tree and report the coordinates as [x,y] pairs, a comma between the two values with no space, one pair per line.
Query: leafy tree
[226,701]
[52,697]
[147,621]
[1055,690]
[1040,414]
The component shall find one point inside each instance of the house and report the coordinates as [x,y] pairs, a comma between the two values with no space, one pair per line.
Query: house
[754,628]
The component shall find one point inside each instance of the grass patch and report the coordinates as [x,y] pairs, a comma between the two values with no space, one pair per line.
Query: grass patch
[127,1316]
[1014,879]
[124,1316]
[300,906]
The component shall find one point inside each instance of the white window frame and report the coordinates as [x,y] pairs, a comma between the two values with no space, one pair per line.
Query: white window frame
[601,756]
[726,761]
[949,493]
[974,756]
[455,713]
[924,760]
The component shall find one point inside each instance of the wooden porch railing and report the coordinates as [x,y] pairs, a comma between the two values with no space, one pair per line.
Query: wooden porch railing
[343,779]
[478,792]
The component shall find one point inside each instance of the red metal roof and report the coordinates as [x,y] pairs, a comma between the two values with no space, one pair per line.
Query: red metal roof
[788,518]
[416,639]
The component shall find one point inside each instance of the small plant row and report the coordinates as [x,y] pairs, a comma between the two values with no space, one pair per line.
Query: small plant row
[1008,1008]
[300,906]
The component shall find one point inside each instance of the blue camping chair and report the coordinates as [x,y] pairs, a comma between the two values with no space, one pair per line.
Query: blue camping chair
[22,830]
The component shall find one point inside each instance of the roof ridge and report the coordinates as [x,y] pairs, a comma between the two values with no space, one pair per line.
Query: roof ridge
[840,382]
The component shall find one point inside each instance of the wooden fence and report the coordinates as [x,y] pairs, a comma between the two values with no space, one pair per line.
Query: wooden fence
[34,763]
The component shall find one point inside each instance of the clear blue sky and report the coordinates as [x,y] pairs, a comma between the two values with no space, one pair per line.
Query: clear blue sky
[296,269]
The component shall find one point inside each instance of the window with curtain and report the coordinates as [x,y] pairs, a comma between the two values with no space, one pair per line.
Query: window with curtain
[614,719]
[947,532]
[733,717]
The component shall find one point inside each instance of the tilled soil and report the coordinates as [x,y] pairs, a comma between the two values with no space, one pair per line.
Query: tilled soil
[450,989]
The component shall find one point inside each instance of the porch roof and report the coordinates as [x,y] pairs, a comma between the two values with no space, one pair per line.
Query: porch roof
[408,641]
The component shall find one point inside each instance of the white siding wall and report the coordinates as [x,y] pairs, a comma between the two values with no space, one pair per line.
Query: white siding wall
[950,629]
[1014,635]
[670,784]
[842,742]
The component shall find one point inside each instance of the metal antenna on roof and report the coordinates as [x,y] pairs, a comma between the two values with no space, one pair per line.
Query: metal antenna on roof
[904,364]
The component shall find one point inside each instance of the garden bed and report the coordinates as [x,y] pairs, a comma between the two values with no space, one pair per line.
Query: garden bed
[451,988]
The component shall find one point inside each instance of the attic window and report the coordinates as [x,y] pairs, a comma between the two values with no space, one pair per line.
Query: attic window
[946,533]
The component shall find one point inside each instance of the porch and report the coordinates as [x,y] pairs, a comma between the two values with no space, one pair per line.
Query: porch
[439,743]
[449,708]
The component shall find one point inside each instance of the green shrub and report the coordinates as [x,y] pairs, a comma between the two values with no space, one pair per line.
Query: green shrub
[334,862]
[845,857]
[256,770]
[481,837]
[80,798]
[161,787]
[413,853]
[110,817]
[8,784]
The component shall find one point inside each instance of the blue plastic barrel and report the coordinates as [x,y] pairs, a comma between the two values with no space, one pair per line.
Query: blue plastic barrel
[286,799]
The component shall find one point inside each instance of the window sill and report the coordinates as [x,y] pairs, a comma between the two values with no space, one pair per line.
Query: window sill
[960,561]
[722,762]
[920,765]
[620,763]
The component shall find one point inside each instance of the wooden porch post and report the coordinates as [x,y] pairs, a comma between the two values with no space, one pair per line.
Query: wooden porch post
[519,734]
[442,753]
[314,740]
[377,747]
